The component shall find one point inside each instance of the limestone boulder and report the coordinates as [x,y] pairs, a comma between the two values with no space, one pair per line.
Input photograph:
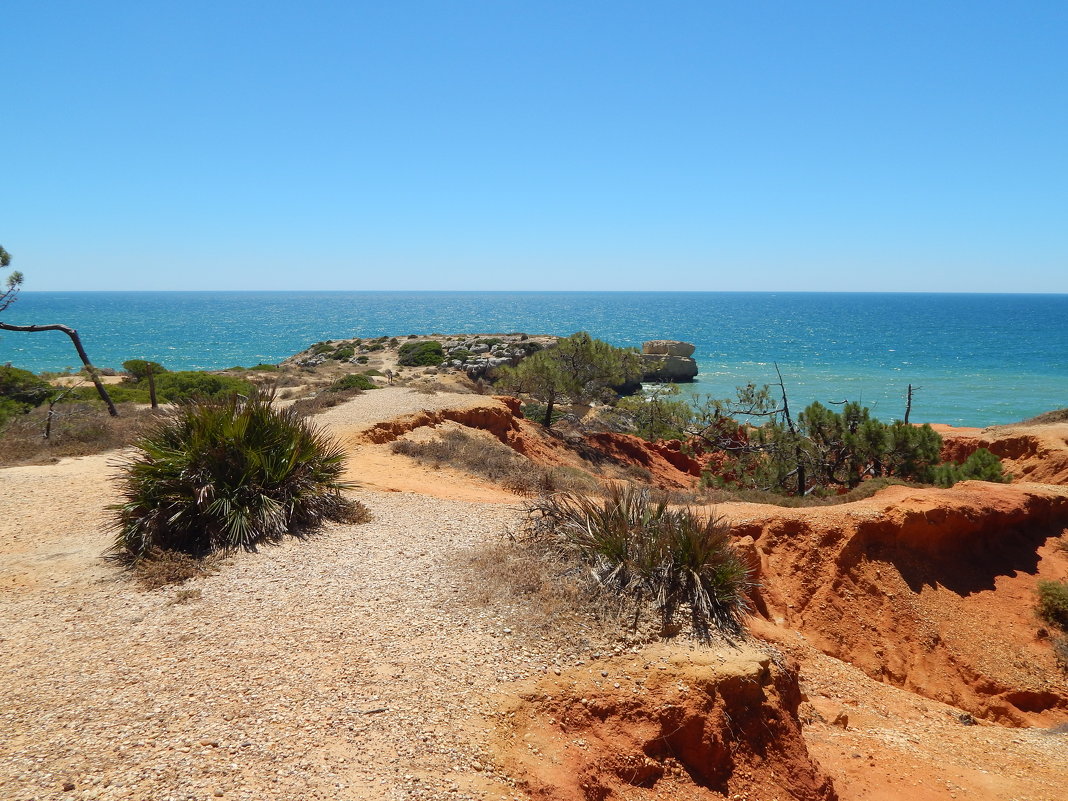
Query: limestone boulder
[672,369]
[668,347]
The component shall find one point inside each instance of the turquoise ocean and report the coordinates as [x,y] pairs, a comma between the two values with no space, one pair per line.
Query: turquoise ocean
[975,359]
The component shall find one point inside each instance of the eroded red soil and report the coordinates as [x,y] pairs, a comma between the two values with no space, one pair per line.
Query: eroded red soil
[668,723]
[929,592]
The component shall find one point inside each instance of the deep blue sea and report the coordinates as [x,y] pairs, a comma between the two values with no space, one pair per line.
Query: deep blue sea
[976,359]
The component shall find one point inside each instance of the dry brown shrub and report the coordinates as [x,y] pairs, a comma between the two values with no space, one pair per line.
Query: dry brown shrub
[163,568]
[434,387]
[306,407]
[548,480]
[287,378]
[356,514]
[488,457]
[456,447]
[78,429]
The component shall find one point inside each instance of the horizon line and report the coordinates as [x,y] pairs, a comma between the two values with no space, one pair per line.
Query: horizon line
[547,291]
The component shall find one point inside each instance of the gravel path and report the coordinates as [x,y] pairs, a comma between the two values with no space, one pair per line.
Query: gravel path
[341,667]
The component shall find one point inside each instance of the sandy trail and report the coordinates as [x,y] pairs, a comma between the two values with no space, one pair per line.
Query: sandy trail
[267,685]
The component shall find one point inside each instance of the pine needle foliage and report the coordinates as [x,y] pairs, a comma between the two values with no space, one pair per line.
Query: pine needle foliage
[227,474]
[643,551]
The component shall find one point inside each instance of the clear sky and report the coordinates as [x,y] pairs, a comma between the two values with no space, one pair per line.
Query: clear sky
[454,144]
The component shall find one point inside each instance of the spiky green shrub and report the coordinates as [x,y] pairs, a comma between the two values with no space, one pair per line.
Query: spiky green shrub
[643,551]
[226,474]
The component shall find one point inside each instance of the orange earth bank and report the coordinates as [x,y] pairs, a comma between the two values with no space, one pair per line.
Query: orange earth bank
[926,590]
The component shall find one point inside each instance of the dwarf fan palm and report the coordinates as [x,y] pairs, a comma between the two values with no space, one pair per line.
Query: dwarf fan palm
[227,474]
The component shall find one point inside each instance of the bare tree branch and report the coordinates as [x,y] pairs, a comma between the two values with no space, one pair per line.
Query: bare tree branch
[94,375]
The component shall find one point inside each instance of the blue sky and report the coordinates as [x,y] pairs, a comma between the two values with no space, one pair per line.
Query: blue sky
[536,145]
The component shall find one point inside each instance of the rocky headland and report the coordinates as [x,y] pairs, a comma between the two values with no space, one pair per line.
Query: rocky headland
[477,355]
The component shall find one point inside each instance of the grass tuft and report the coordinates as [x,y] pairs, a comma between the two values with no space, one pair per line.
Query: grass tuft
[643,552]
[457,447]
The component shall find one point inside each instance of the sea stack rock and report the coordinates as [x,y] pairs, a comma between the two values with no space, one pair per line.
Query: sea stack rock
[668,360]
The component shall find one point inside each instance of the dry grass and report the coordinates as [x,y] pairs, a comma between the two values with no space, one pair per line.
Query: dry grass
[78,429]
[306,407]
[458,387]
[164,568]
[355,514]
[542,596]
[488,457]
[1057,416]
[456,447]
[548,480]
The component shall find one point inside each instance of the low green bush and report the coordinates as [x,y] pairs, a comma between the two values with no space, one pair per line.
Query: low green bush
[361,359]
[22,386]
[265,368]
[20,391]
[10,409]
[226,474]
[421,354]
[120,393]
[353,381]
[1053,603]
[643,551]
[187,384]
[343,354]
[982,465]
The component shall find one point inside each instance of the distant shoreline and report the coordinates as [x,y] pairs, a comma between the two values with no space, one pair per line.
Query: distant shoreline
[978,359]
